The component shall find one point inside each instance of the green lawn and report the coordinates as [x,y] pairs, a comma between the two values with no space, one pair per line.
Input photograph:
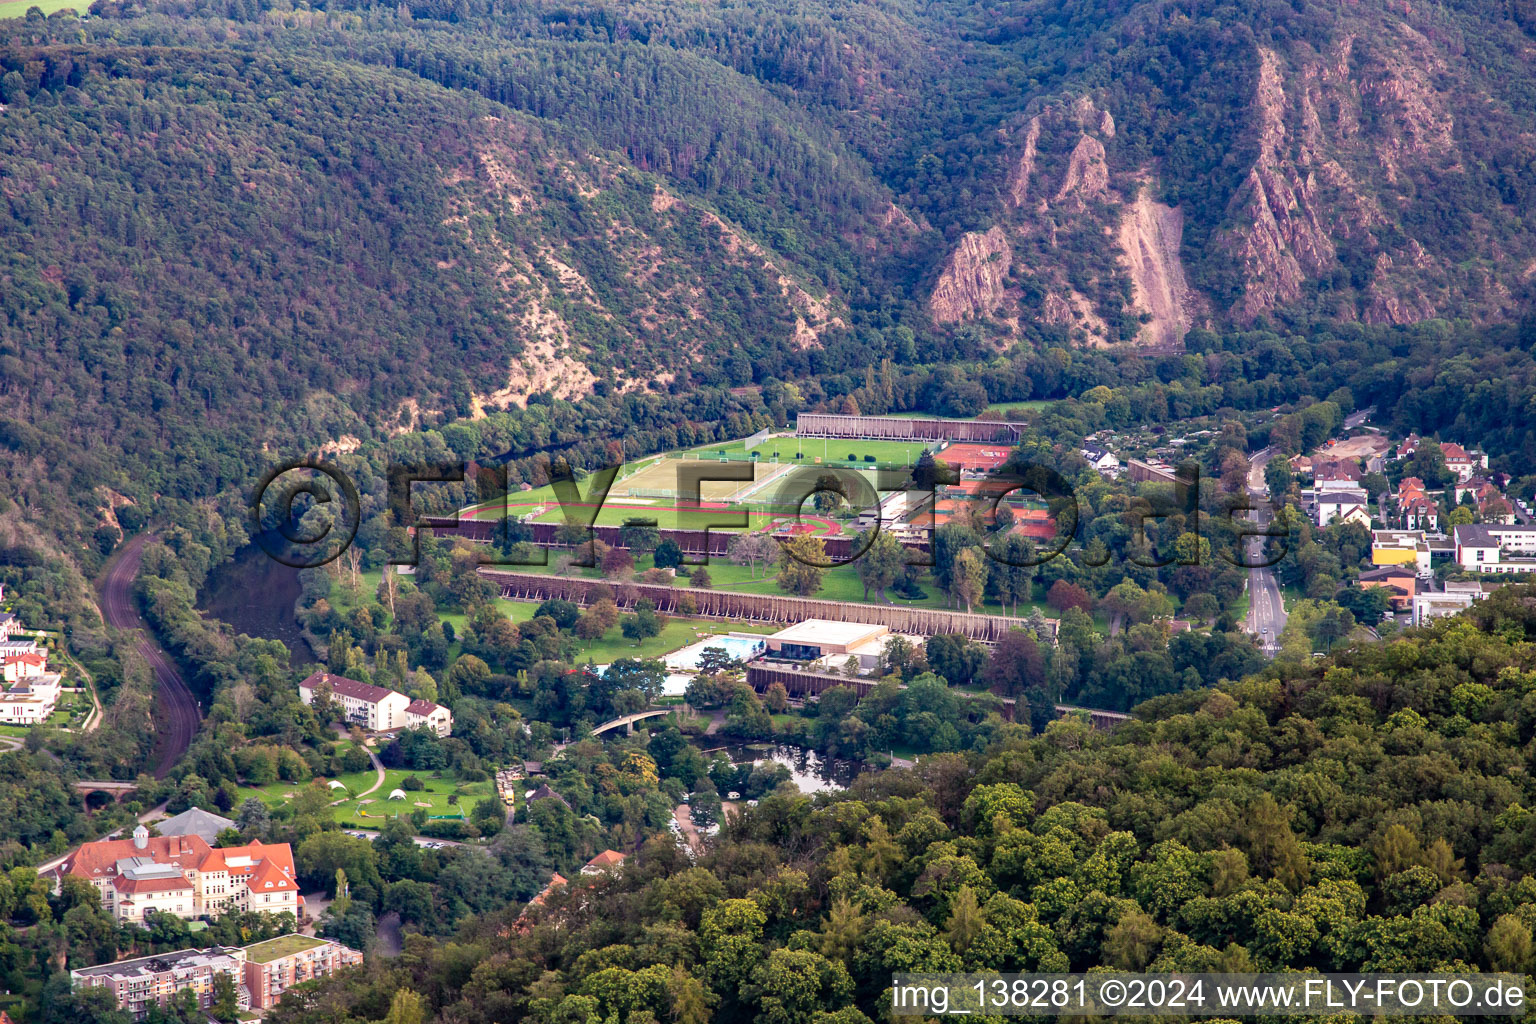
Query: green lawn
[283,945]
[831,451]
[434,794]
[433,799]
[1239,608]
[19,8]
[678,633]
[1033,405]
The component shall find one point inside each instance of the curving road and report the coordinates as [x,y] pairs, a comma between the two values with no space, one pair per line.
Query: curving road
[177,712]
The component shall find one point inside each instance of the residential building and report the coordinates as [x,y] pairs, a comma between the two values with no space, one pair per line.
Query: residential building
[1419,513]
[424,713]
[608,860]
[1401,547]
[1462,462]
[1335,475]
[15,667]
[276,965]
[1101,458]
[1415,509]
[1345,506]
[1495,547]
[30,699]
[524,923]
[149,981]
[372,707]
[1489,500]
[184,876]
[1400,581]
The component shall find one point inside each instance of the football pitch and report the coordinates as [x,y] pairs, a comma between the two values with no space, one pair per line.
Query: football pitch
[820,450]
[648,488]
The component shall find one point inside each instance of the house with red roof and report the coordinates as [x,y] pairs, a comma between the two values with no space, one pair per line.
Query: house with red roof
[21,666]
[608,860]
[372,707]
[1462,462]
[421,714]
[184,876]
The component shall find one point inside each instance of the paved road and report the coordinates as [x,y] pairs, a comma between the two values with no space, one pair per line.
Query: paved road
[1266,610]
[177,712]
[1355,419]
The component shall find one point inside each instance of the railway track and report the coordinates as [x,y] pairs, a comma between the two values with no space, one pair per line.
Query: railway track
[178,715]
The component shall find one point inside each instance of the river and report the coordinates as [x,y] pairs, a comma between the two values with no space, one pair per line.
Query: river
[256,595]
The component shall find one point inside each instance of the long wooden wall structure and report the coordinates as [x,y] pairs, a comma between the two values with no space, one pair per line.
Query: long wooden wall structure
[765,608]
[715,543]
[821,424]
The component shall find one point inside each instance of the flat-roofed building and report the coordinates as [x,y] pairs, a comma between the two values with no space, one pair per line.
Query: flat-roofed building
[1495,547]
[1401,547]
[276,965]
[148,981]
[1400,581]
[814,639]
[31,699]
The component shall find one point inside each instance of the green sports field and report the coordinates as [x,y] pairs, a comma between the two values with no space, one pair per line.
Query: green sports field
[814,450]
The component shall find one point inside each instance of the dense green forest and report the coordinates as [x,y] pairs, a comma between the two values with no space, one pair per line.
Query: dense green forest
[1366,813]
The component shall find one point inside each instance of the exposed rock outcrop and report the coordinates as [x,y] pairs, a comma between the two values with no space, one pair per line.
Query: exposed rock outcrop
[1279,239]
[1150,237]
[1024,170]
[1087,175]
[973,278]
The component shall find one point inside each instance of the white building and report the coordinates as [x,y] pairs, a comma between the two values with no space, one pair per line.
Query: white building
[1462,462]
[372,707]
[30,664]
[1456,597]
[1101,459]
[420,713]
[1495,547]
[1345,506]
[184,876]
[31,699]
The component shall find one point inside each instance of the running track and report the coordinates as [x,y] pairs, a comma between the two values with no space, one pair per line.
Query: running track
[177,715]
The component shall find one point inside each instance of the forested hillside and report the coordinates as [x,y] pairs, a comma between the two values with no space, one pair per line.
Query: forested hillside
[1368,814]
[238,227]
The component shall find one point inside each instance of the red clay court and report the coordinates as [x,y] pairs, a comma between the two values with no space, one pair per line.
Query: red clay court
[975,457]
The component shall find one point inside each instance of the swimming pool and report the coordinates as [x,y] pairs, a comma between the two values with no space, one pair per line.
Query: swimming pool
[737,646]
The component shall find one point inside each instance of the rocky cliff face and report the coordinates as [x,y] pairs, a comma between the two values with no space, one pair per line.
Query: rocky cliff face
[1061,201]
[973,279]
[1353,198]
[1277,236]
